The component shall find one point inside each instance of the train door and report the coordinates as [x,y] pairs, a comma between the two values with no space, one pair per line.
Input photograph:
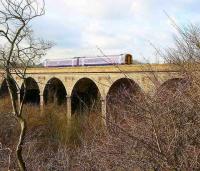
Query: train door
[78,61]
[128,59]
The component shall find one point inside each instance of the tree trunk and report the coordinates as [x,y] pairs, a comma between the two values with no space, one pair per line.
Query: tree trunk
[21,163]
[21,121]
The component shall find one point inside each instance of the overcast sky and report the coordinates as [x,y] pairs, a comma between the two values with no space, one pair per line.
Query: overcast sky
[116,26]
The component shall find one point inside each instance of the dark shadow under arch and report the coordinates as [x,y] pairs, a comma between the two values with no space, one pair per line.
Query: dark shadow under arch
[171,87]
[4,92]
[85,97]
[123,99]
[55,92]
[32,95]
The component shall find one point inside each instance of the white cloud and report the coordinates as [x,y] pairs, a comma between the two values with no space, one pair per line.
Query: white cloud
[116,26]
[140,8]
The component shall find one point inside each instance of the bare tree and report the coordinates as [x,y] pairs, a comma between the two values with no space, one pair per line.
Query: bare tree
[19,49]
[163,130]
[159,132]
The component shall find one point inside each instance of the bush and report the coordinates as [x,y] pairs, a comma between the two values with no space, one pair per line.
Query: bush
[144,132]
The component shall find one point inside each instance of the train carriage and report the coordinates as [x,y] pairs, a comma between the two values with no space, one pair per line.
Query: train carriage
[123,59]
[60,62]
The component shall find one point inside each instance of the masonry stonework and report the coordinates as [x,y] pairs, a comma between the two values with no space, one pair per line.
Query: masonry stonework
[148,78]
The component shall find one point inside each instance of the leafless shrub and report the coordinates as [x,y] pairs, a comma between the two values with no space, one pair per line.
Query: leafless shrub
[144,132]
[5,157]
[166,135]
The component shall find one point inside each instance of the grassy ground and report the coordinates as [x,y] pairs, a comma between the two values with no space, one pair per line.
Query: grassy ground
[48,131]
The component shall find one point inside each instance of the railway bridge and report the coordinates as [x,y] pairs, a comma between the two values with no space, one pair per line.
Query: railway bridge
[74,86]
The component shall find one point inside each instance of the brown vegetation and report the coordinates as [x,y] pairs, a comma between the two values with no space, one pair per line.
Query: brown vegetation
[19,49]
[144,132]
[160,132]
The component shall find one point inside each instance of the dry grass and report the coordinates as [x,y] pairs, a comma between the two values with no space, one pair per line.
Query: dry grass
[54,143]
[159,133]
[146,132]
[49,133]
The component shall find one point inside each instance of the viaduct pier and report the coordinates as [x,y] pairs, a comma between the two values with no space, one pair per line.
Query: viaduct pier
[74,85]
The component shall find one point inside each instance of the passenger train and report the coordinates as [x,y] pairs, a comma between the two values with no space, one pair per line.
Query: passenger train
[123,59]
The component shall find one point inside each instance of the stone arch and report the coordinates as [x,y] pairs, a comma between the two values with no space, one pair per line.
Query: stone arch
[4,92]
[171,87]
[85,96]
[122,99]
[54,92]
[32,95]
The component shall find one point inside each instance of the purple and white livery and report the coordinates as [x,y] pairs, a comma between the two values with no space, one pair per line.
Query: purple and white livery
[123,59]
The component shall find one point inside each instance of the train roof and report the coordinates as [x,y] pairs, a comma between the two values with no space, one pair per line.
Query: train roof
[84,57]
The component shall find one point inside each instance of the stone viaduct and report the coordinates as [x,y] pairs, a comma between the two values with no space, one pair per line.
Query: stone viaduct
[70,81]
